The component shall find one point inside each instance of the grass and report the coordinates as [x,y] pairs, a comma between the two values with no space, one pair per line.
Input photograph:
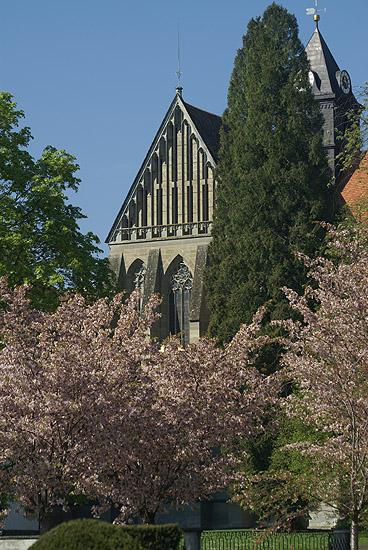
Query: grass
[363,538]
[247,540]
[243,539]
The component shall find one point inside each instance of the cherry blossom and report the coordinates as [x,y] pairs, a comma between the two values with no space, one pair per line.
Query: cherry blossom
[90,405]
[327,359]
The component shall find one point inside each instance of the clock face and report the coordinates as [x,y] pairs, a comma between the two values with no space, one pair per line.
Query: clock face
[345,83]
[311,78]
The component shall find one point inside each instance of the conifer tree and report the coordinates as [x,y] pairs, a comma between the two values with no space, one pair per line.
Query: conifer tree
[273,177]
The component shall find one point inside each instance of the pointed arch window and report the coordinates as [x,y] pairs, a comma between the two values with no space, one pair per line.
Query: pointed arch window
[138,279]
[181,284]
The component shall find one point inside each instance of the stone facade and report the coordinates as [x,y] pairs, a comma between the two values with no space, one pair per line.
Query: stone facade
[160,261]
[160,237]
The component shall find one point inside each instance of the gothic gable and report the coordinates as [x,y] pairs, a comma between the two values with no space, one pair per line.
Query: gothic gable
[173,192]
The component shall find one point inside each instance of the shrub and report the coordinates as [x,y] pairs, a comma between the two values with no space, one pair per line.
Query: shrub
[155,537]
[86,534]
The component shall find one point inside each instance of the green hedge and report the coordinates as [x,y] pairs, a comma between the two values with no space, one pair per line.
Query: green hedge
[87,534]
[155,537]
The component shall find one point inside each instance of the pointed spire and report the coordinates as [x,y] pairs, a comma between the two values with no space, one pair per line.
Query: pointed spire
[323,65]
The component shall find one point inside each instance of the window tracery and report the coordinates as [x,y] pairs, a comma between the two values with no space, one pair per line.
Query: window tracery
[138,279]
[181,284]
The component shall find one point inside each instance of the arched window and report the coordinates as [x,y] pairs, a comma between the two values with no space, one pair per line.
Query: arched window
[179,296]
[138,278]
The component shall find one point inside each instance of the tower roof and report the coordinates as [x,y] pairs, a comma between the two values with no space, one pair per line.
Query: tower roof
[323,65]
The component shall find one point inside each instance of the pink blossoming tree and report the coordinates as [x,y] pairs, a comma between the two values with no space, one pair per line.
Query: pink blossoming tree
[59,376]
[206,399]
[89,405]
[327,360]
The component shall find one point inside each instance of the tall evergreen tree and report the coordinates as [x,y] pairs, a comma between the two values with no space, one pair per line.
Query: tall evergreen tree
[273,177]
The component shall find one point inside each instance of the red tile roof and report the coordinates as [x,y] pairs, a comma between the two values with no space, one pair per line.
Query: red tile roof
[355,191]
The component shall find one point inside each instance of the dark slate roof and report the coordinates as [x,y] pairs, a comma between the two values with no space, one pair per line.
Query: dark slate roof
[208,125]
[323,65]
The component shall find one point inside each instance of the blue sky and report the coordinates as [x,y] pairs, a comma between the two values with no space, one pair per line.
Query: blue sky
[95,77]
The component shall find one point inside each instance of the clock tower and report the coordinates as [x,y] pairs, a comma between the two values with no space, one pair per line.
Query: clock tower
[332,89]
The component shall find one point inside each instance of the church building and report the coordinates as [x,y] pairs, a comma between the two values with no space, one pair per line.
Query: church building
[159,239]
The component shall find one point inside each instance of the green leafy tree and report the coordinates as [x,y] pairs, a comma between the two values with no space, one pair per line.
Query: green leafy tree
[354,137]
[40,240]
[273,177]
[320,455]
[274,482]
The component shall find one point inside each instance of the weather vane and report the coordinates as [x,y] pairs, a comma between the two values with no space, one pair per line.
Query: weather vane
[314,11]
[178,72]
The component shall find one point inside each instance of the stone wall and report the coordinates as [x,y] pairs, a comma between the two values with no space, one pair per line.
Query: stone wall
[160,259]
[16,543]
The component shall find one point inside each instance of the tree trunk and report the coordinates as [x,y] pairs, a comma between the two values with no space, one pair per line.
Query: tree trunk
[148,518]
[354,534]
[46,521]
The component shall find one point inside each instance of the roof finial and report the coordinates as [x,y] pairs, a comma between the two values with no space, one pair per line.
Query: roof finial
[178,72]
[314,12]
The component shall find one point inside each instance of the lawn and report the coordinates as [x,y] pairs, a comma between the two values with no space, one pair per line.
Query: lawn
[249,540]
[242,539]
[363,539]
